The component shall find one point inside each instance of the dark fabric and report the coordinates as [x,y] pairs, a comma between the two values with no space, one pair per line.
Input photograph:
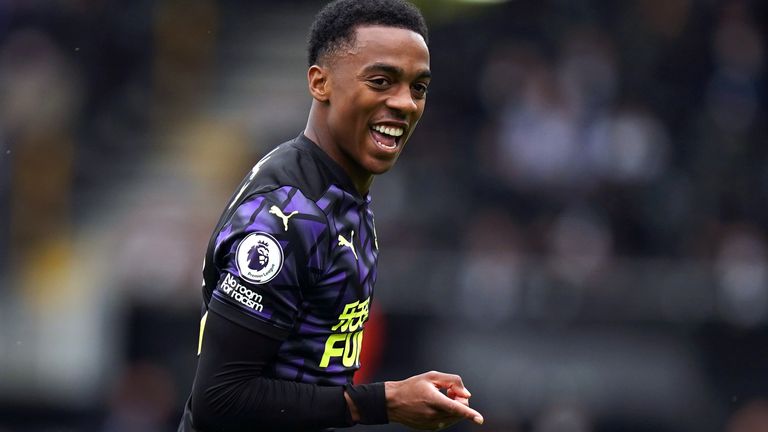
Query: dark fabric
[296,264]
[234,314]
[287,284]
[298,163]
[370,401]
[232,393]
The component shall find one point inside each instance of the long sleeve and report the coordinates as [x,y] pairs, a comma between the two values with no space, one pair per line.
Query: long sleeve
[232,394]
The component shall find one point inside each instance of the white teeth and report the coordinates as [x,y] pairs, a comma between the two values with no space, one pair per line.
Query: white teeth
[391,131]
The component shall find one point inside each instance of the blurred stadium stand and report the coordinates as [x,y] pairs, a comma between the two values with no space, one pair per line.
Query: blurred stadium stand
[578,226]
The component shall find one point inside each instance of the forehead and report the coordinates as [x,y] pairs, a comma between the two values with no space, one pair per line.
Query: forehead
[391,45]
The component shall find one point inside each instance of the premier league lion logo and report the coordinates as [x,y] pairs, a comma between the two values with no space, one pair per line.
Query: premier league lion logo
[258,256]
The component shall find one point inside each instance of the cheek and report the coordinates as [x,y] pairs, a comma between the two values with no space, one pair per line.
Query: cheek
[346,112]
[421,104]
[339,119]
[354,117]
[416,118]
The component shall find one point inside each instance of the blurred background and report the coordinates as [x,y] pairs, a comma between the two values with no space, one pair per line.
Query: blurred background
[578,225]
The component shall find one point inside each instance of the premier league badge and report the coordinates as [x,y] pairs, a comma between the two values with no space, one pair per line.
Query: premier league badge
[259,258]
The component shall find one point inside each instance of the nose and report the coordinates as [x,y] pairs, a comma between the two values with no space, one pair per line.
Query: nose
[402,100]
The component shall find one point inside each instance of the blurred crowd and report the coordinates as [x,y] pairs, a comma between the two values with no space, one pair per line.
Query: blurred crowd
[583,205]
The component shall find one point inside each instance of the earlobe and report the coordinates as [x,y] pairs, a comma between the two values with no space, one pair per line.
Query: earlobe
[319,87]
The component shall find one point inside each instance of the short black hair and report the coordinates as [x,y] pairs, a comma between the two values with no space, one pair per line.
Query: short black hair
[335,24]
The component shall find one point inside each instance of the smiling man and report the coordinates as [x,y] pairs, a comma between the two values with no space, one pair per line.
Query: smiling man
[290,268]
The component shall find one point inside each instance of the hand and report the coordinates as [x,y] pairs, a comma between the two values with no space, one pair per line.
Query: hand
[418,403]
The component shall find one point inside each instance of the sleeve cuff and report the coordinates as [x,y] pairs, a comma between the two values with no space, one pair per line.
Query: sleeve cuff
[250,322]
[371,402]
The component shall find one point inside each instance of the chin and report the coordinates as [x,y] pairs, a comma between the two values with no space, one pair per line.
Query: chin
[380,167]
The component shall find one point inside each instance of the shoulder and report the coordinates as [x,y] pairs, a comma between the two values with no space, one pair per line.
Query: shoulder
[292,164]
[281,225]
[272,209]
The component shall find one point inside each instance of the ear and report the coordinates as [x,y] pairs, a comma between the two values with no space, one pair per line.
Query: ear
[319,85]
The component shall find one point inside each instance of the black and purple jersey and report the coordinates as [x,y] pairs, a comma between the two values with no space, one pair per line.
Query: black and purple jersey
[293,257]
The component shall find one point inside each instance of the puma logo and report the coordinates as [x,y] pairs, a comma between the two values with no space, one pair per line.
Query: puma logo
[348,243]
[275,210]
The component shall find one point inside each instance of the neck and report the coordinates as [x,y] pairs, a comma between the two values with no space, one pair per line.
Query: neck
[317,131]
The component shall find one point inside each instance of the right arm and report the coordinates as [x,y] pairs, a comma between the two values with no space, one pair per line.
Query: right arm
[231,394]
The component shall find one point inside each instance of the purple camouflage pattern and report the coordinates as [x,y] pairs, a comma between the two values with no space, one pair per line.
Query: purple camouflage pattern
[319,276]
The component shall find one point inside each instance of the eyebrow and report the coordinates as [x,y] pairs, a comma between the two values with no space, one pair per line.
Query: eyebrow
[394,70]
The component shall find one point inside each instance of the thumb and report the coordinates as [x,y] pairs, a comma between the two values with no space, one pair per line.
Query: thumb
[458,393]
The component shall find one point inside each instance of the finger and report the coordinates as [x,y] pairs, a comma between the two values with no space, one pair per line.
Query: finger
[462,410]
[463,401]
[451,393]
[449,381]
[462,392]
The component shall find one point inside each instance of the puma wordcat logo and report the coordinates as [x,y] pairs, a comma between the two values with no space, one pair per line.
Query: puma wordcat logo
[275,210]
[348,243]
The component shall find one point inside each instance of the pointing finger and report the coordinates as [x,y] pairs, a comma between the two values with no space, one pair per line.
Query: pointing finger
[459,409]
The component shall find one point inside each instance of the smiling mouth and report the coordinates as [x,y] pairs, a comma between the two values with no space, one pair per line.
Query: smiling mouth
[387,137]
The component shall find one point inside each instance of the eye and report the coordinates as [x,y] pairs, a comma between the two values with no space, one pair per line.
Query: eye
[379,82]
[420,90]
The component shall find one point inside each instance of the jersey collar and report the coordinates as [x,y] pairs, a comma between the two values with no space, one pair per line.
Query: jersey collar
[341,178]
